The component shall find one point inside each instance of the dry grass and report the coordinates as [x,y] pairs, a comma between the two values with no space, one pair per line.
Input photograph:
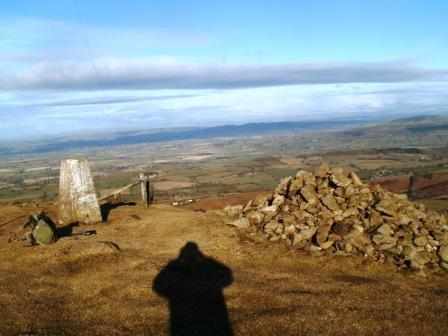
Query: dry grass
[171,185]
[81,286]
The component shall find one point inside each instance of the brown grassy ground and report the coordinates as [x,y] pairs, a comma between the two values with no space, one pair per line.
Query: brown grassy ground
[82,286]
[216,203]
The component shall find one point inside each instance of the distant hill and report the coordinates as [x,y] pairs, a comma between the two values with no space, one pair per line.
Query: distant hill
[154,136]
[417,118]
[407,132]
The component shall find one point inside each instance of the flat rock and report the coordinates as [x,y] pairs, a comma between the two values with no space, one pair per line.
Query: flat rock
[339,179]
[350,212]
[386,206]
[93,248]
[384,241]
[269,209]
[308,192]
[241,223]
[305,234]
[385,230]
[330,202]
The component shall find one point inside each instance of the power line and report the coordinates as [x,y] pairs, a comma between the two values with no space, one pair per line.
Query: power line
[89,50]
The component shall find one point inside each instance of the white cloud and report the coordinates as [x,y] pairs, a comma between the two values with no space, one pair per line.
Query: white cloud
[132,74]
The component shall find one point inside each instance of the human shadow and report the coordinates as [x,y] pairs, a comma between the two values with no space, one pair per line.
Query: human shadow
[106,208]
[193,285]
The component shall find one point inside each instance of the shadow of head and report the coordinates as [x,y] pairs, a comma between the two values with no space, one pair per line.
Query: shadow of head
[193,283]
[190,253]
[106,208]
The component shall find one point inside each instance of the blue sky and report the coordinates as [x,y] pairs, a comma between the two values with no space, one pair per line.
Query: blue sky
[78,66]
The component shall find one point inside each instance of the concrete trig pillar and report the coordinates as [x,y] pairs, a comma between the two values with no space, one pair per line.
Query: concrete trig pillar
[77,196]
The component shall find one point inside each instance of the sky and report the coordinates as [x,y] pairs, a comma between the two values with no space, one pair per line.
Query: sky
[86,66]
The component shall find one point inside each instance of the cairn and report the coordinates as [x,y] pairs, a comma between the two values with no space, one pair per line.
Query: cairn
[333,212]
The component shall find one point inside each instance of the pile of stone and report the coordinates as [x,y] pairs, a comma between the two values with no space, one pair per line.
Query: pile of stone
[333,212]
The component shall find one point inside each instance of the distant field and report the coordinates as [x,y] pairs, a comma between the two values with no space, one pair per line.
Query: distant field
[213,167]
[179,181]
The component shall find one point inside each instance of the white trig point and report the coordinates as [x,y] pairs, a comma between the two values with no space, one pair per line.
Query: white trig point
[77,196]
